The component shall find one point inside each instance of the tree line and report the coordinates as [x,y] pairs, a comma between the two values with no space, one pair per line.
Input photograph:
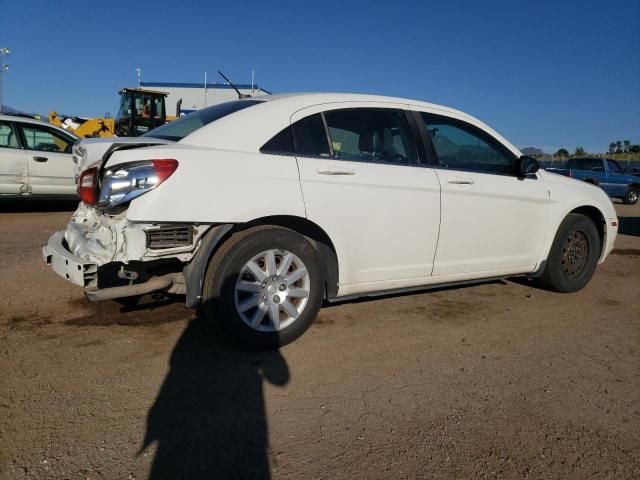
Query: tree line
[623,146]
[619,146]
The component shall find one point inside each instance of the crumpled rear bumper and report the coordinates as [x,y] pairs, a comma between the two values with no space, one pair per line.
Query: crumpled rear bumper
[75,269]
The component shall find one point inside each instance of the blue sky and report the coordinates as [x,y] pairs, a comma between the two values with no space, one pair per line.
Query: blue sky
[548,74]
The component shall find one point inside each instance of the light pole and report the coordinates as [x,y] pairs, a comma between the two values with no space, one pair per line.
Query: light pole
[4,52]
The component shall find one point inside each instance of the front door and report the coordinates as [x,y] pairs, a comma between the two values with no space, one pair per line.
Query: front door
[493,222]
[13,162]
[616,180]
[362,182]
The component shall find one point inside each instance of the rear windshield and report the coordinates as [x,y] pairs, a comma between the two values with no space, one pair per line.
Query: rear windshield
[183,126]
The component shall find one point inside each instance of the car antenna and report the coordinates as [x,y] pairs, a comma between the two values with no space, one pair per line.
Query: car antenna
[240,95]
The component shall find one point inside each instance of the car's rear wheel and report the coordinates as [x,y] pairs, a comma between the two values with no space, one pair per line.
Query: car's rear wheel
[573,256]
[265,286]
[631,197]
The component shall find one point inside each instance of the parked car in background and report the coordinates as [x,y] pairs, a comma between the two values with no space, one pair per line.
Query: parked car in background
[606,174]
[35,158]
[261,209]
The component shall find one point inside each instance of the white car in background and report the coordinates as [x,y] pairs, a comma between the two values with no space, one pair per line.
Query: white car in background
[261,209]
[35,158]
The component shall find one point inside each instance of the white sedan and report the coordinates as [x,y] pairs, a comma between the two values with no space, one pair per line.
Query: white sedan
[35,158]
[259,210]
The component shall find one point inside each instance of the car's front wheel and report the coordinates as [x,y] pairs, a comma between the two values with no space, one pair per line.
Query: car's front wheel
[631,197]
[573,256]
[265,286]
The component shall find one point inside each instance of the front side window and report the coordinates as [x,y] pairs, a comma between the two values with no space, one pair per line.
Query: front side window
[370,135]
[8,137]
[614,167]
[461,146]
[44,139]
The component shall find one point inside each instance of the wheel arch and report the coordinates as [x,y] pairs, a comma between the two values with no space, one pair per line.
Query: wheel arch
[195,271]
[598,219]
[318,237]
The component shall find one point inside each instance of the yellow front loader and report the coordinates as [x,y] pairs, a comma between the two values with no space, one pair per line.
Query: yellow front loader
[140,111]
[83,127]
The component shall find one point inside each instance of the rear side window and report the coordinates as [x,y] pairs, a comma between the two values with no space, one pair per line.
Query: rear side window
[281,144]
[575,164]
[306,137]
[8,137]
[594,164]
[310,137]
[371,135]
[183,126]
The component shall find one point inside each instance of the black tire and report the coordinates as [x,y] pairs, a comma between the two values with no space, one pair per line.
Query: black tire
[224,270]
[573,256]
[631,197]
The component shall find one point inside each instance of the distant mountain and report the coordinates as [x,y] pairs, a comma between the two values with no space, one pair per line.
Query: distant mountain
[532,151]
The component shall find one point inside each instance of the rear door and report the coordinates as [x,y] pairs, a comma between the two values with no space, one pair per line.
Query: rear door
[493,222]
[362,182]
[49,159]
[13,162]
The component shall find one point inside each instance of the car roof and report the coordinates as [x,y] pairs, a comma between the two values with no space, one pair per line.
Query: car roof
[305,99]
[274,112]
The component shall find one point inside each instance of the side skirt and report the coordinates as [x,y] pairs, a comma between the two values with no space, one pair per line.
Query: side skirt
[423,288]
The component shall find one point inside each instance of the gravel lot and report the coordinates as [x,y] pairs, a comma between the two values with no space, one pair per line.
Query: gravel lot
[499,380]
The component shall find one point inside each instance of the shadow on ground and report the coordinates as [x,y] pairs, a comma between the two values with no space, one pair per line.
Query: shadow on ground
[209,417]
[34,204]
[629,226]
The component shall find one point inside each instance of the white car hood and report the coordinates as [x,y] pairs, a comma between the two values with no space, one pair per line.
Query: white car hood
[88,152]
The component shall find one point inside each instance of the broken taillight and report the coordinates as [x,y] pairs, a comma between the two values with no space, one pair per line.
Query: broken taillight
[123,182]
[87,186]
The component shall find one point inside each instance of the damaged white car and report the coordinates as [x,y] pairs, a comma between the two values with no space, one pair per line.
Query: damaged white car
[259,210]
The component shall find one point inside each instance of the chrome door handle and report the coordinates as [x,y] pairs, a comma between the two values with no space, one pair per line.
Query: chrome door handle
[40,159]
[332,170]
[460,181]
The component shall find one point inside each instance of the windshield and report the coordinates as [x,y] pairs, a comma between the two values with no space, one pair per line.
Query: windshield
[125,108]
[180,128]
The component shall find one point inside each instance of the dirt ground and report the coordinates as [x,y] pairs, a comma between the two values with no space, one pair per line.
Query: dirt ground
[499,380]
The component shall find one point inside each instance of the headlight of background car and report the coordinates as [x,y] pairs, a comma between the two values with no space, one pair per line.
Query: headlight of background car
[122,183]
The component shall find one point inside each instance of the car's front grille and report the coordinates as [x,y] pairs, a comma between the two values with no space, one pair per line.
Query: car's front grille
[169,237]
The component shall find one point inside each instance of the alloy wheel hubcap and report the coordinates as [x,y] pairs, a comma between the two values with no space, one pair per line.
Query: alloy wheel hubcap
[632,196]
[272,290]
[575,253]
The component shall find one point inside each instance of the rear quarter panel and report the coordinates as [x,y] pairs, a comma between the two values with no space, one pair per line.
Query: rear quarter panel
[217,186]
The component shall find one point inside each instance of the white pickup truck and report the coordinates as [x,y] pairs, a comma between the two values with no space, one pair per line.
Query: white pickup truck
[261,209]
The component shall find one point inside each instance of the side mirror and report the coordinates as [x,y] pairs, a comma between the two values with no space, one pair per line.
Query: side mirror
[528,166]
